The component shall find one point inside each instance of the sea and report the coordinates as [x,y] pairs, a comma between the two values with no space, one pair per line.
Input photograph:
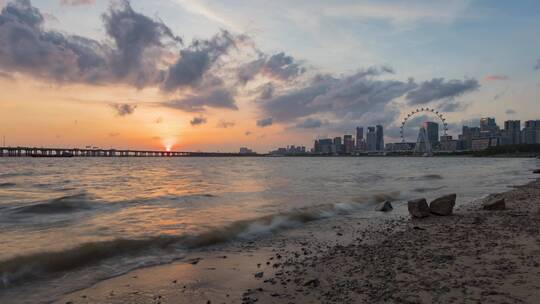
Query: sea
[68,223]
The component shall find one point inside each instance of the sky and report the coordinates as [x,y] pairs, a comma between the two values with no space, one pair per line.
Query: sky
[217,75]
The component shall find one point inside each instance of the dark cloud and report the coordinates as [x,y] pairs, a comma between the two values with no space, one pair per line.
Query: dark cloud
[265,122]
[198,121]
[218,97]
[225,124]
[197,59]
[278,66]
[124,109]
[26,47]
[358,96]
[453,106]
[310,123]
[438,88]
[510,112]
[76,2]
[135,37]
[266,91]
[133,56]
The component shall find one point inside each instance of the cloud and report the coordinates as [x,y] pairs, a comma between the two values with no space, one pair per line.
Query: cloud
[438,88]
[135,54]
[217,97]
[356,96]
[510,112]
[198,121]
[225,124]
[265,122]
[537,65]
[76,2]
[247,133]
[453,106]
[495,77]
[136,38]
[197,59]
[278,66]
[124,109]
[26,47]
[158,120]
[310,123]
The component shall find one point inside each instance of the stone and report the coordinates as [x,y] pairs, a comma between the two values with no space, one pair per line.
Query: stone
[443,205]
[418,208]
[259,275]
[495,204]
[384,206]
[537,171]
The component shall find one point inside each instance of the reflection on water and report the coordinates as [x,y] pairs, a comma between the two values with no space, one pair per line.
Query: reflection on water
[68,215]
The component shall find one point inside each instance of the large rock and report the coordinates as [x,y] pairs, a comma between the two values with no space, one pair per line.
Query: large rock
[443,205]
[418,208]
[537,171]
[384,206]
[495,204]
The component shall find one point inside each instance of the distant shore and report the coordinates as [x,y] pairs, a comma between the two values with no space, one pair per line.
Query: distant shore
[472,256]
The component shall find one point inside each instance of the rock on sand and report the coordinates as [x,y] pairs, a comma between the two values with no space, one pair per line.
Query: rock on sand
[384,206]
[443,205]
[495,204]
[418,208]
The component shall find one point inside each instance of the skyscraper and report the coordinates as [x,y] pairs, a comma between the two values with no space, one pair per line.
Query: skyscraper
[360,142]
[348,142]
[380,138]
[489,127]
[432,131]
[371,138]
[512,132]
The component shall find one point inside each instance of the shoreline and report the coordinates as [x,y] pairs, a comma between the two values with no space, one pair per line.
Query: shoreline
[471,256]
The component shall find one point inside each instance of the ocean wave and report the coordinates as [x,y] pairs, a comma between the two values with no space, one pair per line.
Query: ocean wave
[64,204]
[422,177]
[30,267]
[40,265]
[427,189]
[15,174]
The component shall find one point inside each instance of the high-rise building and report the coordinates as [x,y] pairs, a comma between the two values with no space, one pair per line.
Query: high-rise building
[337,147]
[489,127]
[371,139]
[380,138]
[360,141]
[512,132]
[323,146]
[432,131]
[348,143]
[531,132]
[467,135]
[423,143]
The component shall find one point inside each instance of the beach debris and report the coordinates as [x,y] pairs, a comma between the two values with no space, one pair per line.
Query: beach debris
[313,283]
[384,206]
[259,275]
[443,205]
[495,204]
[194,261]
[418,208]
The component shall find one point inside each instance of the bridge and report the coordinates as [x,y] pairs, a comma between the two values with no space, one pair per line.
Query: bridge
[77,152]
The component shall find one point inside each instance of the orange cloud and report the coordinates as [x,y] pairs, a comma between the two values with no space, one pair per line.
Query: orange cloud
[495,77]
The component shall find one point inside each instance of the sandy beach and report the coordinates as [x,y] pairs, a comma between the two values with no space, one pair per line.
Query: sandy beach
[473,256]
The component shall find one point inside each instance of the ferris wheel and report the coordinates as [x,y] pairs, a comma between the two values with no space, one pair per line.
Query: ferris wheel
[423,110]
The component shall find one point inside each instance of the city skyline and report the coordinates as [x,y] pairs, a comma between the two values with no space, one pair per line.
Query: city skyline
[252,80]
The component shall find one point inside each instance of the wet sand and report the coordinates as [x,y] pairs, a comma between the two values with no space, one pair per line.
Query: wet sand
[473,256]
